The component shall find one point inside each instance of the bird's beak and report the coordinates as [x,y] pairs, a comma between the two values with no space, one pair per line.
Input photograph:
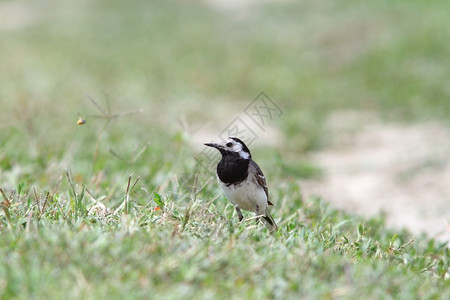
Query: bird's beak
[214,145]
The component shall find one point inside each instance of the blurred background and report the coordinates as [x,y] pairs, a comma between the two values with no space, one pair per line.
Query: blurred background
[363,88]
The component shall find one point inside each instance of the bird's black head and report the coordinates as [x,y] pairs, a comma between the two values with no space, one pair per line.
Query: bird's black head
[232,146]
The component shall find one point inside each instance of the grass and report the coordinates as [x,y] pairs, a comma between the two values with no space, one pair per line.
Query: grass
[65,245]
[76,224]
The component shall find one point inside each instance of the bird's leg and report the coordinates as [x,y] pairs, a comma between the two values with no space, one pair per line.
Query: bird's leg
[239,213]
[257,214]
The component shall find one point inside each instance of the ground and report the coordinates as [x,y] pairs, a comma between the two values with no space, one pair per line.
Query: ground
[400,170]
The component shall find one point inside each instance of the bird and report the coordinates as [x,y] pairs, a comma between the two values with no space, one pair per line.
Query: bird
[242,180]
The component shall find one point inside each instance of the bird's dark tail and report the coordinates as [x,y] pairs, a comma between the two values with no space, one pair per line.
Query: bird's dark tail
[269,222]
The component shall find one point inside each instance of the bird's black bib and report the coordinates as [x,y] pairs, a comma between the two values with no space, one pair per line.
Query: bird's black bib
[232,169]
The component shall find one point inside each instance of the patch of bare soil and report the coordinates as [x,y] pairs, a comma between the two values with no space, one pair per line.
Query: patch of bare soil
[402,171]
[15,15]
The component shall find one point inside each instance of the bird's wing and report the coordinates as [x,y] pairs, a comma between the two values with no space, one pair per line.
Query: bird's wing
[259,178]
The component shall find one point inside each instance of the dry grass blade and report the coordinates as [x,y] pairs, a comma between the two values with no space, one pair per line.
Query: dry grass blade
[4,197]
[45,203]
[108,116]
[126,203]
[115,154]
[97,105]
[134,156]
[5,205]
[36,199]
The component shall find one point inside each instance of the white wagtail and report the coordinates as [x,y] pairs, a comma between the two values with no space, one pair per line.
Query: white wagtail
[242,180]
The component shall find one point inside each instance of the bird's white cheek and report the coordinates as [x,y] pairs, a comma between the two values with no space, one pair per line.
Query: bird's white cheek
[244,155]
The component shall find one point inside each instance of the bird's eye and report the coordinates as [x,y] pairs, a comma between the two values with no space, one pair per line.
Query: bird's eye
[229,144]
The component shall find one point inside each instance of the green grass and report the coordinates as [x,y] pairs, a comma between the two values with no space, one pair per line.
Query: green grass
[188,62]
[61,246]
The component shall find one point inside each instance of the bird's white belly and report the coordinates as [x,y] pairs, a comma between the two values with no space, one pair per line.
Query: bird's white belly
[247,195]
